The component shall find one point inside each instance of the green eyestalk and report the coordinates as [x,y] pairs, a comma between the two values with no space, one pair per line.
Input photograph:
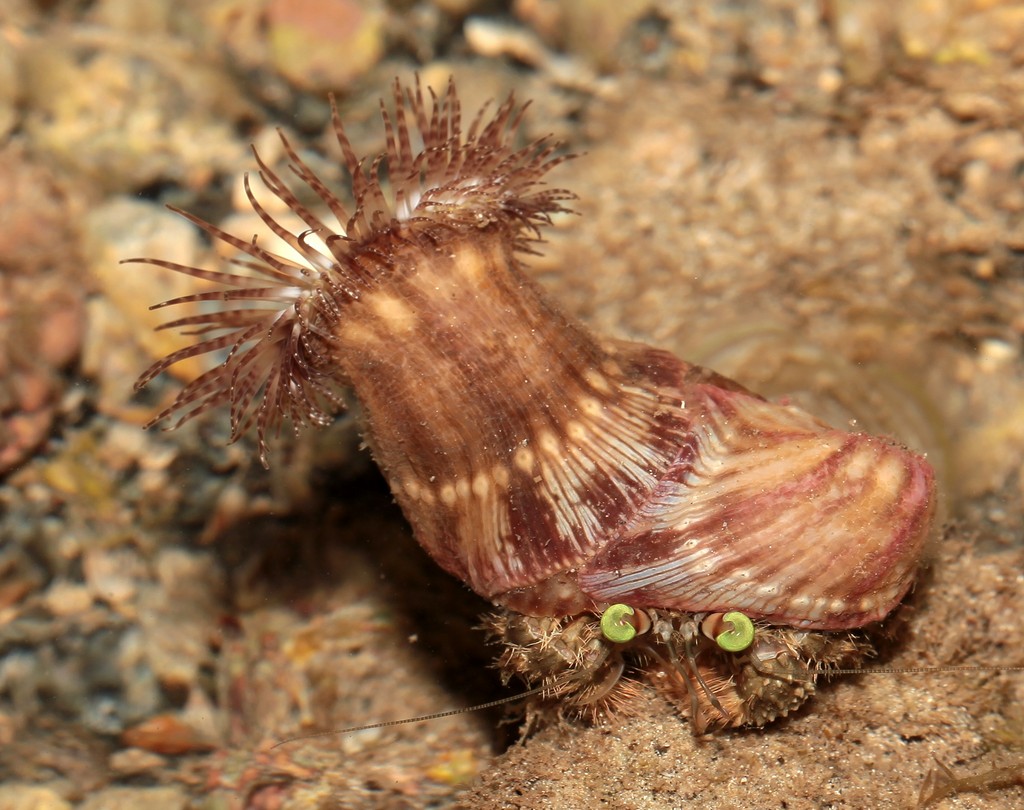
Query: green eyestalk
[737,639]
[616,626]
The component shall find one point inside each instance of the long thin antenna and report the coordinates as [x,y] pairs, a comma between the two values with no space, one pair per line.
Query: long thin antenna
[421,719]
[920,670]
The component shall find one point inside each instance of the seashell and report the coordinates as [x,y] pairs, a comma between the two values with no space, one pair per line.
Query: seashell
[774,515]
[555,473]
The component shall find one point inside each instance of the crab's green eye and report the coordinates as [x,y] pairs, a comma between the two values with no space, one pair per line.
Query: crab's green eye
[615,625]
[738,638]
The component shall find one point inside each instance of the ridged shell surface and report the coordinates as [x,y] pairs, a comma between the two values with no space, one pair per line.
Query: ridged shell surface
[776,515]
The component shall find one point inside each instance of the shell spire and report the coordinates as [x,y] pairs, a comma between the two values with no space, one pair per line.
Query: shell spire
[553,472]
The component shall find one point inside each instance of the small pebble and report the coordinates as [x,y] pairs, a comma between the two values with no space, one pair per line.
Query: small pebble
[123,798]
[325,44]
[135,761]
[31,797]
[64,598]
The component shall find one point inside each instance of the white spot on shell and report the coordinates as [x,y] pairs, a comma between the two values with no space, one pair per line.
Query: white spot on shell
[611,368]
[396,313]
[448,495]
[524,459]
[890,474]
[549,443]
[597,381]
[481,485]
[468,262]
[591,406]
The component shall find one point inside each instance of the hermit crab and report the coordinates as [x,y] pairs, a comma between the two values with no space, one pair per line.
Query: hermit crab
[631,515]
